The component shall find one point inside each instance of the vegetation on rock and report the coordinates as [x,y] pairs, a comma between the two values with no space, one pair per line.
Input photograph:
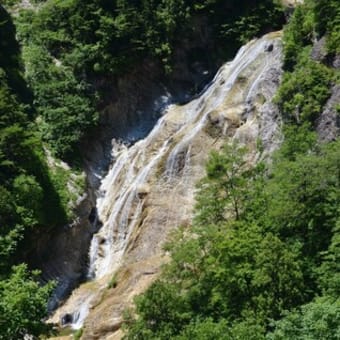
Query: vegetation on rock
[241,271]
[69,45]
[48,102]
[30,200]
[260,258]
[23,304]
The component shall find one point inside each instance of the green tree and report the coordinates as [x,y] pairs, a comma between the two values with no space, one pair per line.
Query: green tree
[29,198]
[241,271]
[327,22]
[23,304]
[329,271]
[223,192]
[317,320]
[206,329]
[305,91]
[162,313]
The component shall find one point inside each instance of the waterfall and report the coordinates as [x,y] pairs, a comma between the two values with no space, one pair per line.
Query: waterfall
[150,187]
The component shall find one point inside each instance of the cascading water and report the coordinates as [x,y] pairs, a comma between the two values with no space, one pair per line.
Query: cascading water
[150,187]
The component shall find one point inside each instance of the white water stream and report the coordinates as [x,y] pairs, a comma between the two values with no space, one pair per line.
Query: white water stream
[166,157]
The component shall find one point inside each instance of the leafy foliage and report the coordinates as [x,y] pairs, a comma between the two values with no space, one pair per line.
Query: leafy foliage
[70,44]
[25,179]
[28,197]
[297,35]
[22,304]
[224,190]
[10,59]
[305,91]
[312,20]
[237,272]
[327,22]
[61,100]
[257,18]
[316,320]
[306,82]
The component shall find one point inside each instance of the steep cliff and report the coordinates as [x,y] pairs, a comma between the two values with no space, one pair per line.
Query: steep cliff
[87,70]
[150,188]
[145,198]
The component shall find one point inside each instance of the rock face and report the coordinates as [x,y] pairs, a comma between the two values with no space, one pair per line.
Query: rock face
[131,106]
[150,187]
[133,102]
[62,255]
[319,52]
[328,125]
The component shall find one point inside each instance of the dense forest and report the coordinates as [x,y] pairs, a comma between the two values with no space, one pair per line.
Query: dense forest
[27,193]
[260,259]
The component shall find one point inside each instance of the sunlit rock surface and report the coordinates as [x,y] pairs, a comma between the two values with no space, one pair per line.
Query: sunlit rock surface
[150,187]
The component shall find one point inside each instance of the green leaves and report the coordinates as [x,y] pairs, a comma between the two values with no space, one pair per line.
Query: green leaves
[256,17]
[162,311]
[306,84]
[222,193]
[317,320]
[304,91]
[297,34]
[327,22]
[205,329]
[329,271]
[23,304]
[66,113]
[69,42]
[232,274]
[28,199]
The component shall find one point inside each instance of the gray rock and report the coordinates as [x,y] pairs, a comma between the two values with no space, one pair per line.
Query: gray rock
[62,255]
[319,51]
[328,125]
[336,62]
